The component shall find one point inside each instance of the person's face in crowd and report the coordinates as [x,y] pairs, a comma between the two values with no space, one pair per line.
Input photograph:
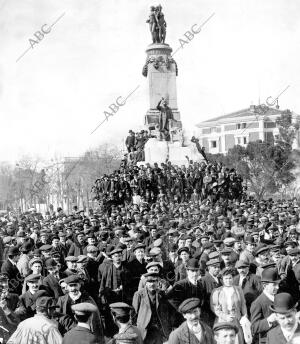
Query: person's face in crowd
[53,269]
[43,238]
[153,269]
[55,243]
[193,317]
[91,241]
[204,241]
[287,321]
[139,253]
[275,255]
[271,288]
[193,275]
[63,286]
[188,242]
[117,258]
[62,239]
[129,244]
[184,256]
[33,286]
[73,289]
[214,270]
[172,255]
[226,258]
[295,258]
[80,238]
[181,243]
[243,271]
[36,268]
[152,284]
[228,280]
[225,336]
[237,246]
[71,265]
[263,257]
[250,247]
[46,254]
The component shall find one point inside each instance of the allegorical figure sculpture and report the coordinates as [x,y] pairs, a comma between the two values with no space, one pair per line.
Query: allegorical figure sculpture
[165,115]
[157,24]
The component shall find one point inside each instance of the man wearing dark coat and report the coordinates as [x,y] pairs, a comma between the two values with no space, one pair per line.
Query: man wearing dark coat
[210,282]
[262,318]
[250,283]
[137,267]
[51,282]
[153,311]
[165,116]
[9,268]
[78,246]
[193,330]
[75,296]
[288,330]
[82,332]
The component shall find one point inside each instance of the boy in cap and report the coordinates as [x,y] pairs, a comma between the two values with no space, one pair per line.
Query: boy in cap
[82,332]
[121,316]
[193,330]
[225,333]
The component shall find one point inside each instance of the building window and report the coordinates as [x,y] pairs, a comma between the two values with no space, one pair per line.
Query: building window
[238,140]
[238,126]
[241,125]
[244,125]
[245,140]
[269,124]
[213,144]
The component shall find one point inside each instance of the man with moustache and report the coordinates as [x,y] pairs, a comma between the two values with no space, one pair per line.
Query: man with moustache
[262,318]
[193,330]
[75,296]
[285,311]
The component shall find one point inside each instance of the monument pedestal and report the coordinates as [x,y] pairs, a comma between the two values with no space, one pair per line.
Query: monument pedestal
[161,70]
[161,151]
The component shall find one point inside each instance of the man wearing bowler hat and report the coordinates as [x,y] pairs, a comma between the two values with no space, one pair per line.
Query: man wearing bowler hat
[288,330]
[9,268]
[262,318]
[193,330]
[225,333]
[188,287]
[82,332]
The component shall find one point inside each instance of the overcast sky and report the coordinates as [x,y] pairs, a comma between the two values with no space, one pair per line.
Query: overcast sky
[56,94]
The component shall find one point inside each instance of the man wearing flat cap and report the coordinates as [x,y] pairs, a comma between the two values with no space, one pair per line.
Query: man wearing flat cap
[82,332]
[285,311]
[40,327]
[121,316]
[225,333]
[75,296]
[193,330]
[153,311]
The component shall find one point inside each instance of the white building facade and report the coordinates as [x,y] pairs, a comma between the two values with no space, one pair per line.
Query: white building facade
[220,134]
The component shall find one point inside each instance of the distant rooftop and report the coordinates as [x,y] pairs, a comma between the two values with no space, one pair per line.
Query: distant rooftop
[250,111]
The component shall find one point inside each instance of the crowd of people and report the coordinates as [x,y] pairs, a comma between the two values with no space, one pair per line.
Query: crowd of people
[135,143]
[176,254]
[168,184]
